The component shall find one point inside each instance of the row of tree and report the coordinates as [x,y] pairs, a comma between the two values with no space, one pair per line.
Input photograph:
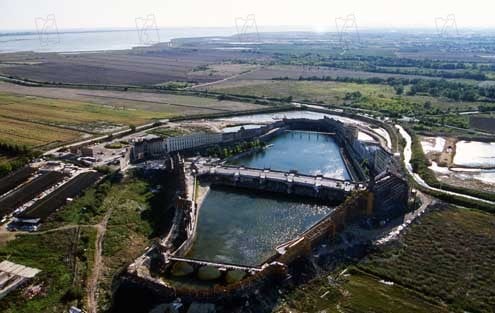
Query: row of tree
[20,154]
[392,65]
[13,149]
[9,166]
[225,152]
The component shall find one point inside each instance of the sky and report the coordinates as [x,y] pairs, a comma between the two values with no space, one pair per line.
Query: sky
[319,15]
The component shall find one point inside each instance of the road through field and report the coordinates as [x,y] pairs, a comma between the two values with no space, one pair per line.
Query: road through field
[101,229]
[221,80]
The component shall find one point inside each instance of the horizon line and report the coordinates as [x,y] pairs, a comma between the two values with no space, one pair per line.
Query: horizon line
[302,28]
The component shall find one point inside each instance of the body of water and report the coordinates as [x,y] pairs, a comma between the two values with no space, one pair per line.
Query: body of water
[244,228]
[307,152]
[484,176]
[62,40]
[475,154]
[74,41]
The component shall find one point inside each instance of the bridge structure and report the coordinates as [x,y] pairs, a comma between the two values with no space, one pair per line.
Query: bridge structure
[221,266]
[245,176]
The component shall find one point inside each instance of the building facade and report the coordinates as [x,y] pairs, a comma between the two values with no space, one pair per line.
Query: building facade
[192,141]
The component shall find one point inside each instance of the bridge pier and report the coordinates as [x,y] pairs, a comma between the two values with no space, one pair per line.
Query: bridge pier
[262,179]
[289,188]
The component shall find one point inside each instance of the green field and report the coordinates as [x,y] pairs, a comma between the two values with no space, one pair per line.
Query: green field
[447,256]
[138,215]
[44,122]
[38,122]
[6,159]
[69,113]
[34,135]
[164,104]
[375,96]
[332,92]
[355,292]
[56,254]
[127,233]
[441,264]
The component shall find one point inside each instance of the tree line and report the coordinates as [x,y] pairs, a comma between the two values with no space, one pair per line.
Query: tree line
[21,155]
[13,149]
[390,65]
[225,152]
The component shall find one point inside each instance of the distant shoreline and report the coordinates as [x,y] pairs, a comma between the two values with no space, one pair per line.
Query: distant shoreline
[5,33]
[83,40]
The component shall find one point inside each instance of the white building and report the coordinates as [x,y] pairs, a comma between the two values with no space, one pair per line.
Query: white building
[192,141]
[157,147]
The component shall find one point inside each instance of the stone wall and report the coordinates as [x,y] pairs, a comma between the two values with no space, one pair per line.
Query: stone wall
[390,189]
[366,159]
[356,206]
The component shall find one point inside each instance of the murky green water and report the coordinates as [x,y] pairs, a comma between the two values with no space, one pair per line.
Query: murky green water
[306,152]
[244,228]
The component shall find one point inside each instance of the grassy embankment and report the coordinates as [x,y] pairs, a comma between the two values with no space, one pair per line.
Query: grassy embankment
[446,256]
[140,212]
[87,209]
[355,291]
[441,264]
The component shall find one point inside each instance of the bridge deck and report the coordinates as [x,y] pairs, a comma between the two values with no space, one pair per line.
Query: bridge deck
[296,178]
[214,264]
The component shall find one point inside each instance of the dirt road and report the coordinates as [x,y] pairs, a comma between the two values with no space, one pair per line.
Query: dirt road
[101,229]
